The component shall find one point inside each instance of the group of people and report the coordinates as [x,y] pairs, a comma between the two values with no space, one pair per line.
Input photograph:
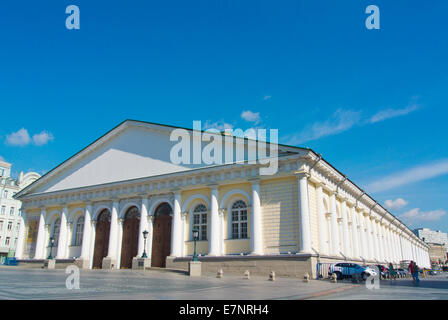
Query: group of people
[412,268]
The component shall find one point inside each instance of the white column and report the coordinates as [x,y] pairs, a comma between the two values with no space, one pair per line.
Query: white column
[62,242]
[304,214]
[92,242]
[362,235]
[113,235]
[21,236]
[386,244]
[321,218]
[355,248]
[375,240]
[346,238]
[40,241]
[401,246]
[150,235]
[381,241]
[143,226]
[256,237]
[85,248]
[222,231]
[370,238]
[119,241]
[176,229]
[334,226]
[184,216]
[213,244]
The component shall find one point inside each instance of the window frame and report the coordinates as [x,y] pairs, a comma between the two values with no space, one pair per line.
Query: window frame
[201,224]
[78,234]
[239,223]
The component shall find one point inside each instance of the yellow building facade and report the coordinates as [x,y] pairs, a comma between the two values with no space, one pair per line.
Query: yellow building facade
[120,199]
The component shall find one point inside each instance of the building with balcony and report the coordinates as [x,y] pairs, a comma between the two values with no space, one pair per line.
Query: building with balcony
[10,208]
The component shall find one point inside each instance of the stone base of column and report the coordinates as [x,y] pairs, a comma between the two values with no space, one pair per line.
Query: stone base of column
[82,263]
[141,263]
[195,268]
[50,264]
[109,263]
[170,262]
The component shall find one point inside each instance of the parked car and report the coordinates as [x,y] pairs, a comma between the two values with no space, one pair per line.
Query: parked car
[382,269]
[433,272]
[347,270]
[402,273]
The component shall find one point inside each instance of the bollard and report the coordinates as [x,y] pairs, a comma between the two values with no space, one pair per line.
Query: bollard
[219,274]
[272,276]
[306,277]
[334,278]
[247,274]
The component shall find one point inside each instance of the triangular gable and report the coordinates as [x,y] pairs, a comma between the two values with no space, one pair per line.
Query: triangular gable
[132,150]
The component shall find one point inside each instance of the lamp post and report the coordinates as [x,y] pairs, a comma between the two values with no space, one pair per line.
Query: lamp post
[51,248]
[195,238]
[145,235]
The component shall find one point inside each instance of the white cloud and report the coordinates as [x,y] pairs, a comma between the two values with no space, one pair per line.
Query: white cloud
[267,97]
[419,173]
[341,120]
[392,113]
[2,159]
[20,138]
[416,215]
[218,125]
[396,204]
[42,138]
[251,116]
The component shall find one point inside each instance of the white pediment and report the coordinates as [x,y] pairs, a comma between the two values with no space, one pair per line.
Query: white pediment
[133,153]
[130,151]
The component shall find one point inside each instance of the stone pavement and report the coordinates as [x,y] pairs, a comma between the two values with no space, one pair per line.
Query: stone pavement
[21,283]
[431,288]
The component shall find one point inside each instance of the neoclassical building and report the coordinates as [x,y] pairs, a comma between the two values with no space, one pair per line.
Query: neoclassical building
[97,204]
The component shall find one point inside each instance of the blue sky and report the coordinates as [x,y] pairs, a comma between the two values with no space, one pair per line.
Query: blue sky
[373,102]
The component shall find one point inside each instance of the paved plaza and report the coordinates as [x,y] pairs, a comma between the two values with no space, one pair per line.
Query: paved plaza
[21,283]
[431,288]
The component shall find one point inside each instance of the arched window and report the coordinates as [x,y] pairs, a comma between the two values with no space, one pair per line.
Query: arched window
[239,220]
[56,229]
[79,231]
[200,221]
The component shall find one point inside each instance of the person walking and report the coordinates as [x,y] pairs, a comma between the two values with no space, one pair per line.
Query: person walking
[413,269]
[392,272]
[416,273]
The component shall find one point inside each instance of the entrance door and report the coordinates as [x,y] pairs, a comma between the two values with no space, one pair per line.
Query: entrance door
[161,241]
[129,245]
[101,238]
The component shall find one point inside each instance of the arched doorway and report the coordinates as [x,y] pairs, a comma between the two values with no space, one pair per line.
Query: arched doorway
[129,245]
[161,240]
[101,238]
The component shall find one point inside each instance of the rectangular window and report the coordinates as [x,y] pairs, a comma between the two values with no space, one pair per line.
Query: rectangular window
[3,210]
[1,225]
[11,211]
[5,194]
[9,225]
[7,241]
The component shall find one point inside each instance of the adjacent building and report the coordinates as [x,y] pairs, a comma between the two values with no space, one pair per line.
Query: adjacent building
[97,204]
[431,236]
[10,209]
